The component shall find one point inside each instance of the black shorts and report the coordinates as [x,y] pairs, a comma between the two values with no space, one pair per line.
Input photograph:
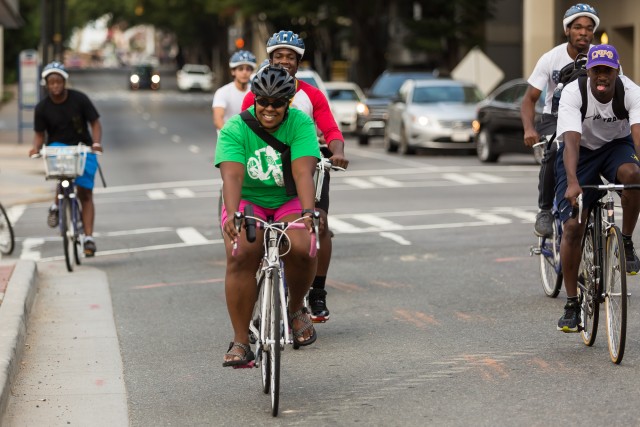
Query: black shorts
[324,195]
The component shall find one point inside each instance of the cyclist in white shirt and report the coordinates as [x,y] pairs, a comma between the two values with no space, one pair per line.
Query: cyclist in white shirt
[227,100]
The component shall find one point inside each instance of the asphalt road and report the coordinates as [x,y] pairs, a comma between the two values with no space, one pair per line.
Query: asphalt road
[438,315]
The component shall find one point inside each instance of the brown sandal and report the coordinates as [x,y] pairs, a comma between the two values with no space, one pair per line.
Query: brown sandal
[246,357]
[299,333]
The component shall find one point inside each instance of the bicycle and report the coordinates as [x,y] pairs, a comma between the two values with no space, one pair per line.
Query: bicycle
[7,238]
[602,274]
[65,163]
[269,326]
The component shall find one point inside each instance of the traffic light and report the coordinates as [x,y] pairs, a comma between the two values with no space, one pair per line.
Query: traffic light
[239,43]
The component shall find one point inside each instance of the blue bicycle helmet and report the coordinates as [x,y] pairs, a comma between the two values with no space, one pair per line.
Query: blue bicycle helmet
[578,10]
[242,57]
[287,39]
[54,67]
[273,81]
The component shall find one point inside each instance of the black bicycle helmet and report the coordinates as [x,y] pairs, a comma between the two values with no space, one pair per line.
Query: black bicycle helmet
[287,39]
[273,81]
[578,10]
[242,57]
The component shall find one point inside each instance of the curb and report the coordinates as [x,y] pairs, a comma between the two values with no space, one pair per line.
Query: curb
[14,314]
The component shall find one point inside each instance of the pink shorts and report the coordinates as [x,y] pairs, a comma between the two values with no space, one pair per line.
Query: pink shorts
[293,206]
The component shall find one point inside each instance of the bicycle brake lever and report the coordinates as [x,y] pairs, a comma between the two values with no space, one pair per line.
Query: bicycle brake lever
[237,223]
[579,200]
[316,227]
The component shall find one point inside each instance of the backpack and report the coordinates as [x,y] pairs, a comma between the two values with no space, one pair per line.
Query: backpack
[619,109]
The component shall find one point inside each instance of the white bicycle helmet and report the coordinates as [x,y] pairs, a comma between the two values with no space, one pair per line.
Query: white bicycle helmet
[242,57]
[287,39]
[578,10]
[54,67]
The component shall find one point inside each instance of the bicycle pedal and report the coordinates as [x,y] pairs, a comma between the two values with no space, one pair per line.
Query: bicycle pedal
[249,365]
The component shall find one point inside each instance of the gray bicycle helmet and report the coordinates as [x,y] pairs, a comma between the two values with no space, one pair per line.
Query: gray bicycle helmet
[54,67]
[578,10]
[273,81]
[287,39]
[242,57]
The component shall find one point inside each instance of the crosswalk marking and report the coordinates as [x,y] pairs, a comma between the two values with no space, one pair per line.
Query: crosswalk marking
[385,182]
[485,216]
[342,226]
[191,236]
[359,183]
[184,193]
[156,194]
[379,222]
[487,178]
[461,179]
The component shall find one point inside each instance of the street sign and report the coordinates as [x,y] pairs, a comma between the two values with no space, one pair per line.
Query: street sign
[476,67]
[28,87]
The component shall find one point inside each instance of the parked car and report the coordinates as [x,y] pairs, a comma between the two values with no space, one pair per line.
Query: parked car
[344,98]
[372,113]
[309,76]
[498,127]
[195,77]
[144,77]
[434,113]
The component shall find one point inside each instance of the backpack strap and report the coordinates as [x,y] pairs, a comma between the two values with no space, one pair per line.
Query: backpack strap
[618,101]
[582,83]
[619,110]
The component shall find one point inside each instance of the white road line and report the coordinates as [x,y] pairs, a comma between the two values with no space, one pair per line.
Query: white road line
[156,194]
[518,213]
[170,184]
[487,178]
[359,183]
[194,149]
[342,226]
[15,212]
[484,216]
[28,248]
[396,238]
[176,139]
[153,125]
[191,236]
[132,232]
[379,222]
[184,193]
[385,182]
[163,130]
[461,179]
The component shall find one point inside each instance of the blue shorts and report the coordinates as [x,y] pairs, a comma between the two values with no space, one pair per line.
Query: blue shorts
[592,164]
[90,168]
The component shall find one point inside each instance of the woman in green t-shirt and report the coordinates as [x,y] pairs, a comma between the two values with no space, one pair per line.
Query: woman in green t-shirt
[252,173]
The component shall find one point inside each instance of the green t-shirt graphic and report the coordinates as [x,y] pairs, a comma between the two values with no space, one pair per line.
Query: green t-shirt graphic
[264,178]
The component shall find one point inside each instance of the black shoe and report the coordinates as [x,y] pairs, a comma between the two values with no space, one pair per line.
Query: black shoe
[544,224]
[631,258]
[89,248]
[52,216]
[570,321]
[318,305]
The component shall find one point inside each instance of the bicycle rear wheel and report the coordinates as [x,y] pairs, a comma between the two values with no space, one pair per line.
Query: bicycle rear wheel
[274,342]
[66,229]
[550,263]
[587,292]
[615,283]
[7,239]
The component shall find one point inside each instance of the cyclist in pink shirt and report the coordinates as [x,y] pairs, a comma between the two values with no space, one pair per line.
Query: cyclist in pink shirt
[286,49]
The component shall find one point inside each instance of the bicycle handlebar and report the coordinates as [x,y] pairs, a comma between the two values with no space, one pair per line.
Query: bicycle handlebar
[326,164]
[252,222]
[603,187]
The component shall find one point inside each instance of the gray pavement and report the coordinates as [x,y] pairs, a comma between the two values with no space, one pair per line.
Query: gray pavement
[71,325]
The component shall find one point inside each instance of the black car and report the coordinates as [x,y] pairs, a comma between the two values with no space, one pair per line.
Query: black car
[144,77]
[372,114]
[498,127]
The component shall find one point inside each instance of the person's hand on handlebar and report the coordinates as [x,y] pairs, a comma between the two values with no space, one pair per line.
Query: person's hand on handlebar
[96,147]
[531,138]
[571,195]
[339,160]
[229,228]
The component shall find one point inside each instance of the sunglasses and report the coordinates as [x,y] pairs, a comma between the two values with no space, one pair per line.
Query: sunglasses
[278,103]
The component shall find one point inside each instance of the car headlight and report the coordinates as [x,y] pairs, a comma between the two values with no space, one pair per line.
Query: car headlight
[134,79]
[475,125]
[362,109]
[155,79]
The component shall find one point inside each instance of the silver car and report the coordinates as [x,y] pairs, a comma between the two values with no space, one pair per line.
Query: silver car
[434,113]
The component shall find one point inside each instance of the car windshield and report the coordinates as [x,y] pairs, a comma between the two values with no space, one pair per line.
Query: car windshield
[389,85]
[435,94]
[342,95]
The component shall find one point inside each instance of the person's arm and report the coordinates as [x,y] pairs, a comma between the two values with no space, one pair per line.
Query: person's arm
[96,135]
[635,134]
[528,114]
[232,177]
[38,142]
[323,117]
[218,117]
[302,170]
[570,159]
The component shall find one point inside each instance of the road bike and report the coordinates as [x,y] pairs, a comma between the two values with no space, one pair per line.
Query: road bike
[65,164]
[602,274]
[269,326]
[7,238]
[549,251]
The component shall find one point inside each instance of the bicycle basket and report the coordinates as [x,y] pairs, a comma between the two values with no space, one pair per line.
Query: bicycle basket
[64,162]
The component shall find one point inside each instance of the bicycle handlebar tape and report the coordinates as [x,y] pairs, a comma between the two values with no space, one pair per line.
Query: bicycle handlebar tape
[249,223]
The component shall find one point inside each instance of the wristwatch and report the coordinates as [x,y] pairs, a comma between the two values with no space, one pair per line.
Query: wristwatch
[306,211]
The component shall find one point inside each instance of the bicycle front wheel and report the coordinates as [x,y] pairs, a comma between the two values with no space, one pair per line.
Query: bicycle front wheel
[587,292]
[7,239]
[615,283]
[77,238]
[550,272]
[66,229]
[274,342]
